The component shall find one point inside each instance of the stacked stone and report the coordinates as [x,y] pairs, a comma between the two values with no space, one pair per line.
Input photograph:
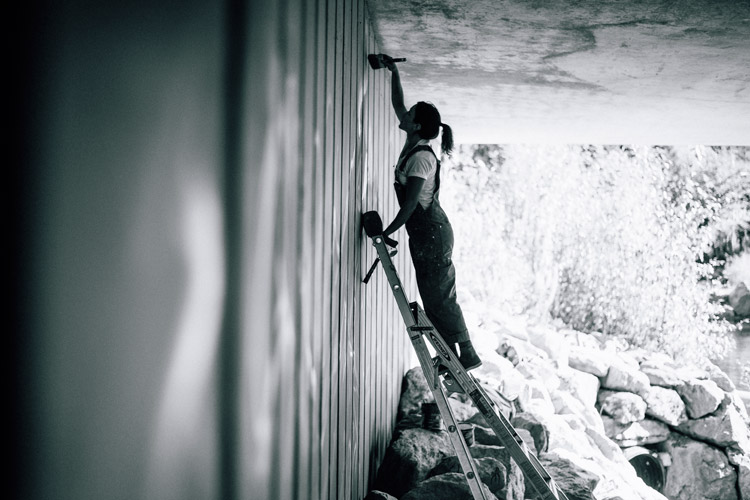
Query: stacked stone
[577,402]
[695,419]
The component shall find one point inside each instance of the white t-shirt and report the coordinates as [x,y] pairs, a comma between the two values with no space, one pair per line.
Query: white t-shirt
[421,164]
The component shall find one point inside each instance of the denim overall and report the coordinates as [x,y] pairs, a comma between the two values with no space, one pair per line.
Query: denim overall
[431,247]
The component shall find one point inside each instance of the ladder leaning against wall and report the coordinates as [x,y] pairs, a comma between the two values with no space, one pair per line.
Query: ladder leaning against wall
[446,375]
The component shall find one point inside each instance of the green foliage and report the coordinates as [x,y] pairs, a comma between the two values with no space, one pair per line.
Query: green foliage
[607,238]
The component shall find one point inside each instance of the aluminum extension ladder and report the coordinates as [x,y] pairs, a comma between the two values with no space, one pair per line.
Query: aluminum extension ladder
[455,379]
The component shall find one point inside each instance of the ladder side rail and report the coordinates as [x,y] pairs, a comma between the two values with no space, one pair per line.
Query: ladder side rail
[538,477]
[533,470]
[471,474]
[395,282]
[468,466]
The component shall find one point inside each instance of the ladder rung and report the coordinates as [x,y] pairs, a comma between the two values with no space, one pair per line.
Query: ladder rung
[448,366]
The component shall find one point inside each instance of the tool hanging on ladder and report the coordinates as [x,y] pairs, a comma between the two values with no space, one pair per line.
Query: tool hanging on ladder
[377,226]
[455,379]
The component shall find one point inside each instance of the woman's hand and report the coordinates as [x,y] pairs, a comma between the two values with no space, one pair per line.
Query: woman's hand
[388,61]
[411,199]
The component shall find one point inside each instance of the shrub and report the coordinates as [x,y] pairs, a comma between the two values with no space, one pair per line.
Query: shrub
[606,238]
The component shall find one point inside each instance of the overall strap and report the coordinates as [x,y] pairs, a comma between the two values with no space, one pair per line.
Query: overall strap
[423,147]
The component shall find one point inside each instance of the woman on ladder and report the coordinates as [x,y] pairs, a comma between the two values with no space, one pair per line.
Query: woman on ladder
[430,233]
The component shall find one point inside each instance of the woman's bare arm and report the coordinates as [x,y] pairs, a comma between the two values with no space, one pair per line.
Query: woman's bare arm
[413,188]
[397,93]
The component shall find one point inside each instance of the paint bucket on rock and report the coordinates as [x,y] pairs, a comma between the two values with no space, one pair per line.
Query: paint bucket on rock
[431,418]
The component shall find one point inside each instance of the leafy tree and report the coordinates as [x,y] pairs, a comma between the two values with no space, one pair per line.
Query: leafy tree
[616,239]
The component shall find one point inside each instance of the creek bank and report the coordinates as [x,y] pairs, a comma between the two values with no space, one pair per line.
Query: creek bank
[594,412]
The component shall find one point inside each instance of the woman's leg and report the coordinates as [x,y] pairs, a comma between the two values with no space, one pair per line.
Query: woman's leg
[437,287]
[431,246]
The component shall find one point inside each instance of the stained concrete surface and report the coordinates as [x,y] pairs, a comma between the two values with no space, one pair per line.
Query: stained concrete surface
[576,71]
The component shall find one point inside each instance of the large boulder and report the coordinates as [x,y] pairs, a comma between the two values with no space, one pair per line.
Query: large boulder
[516,351]
[567,404]
[499,373]
[701,397]
[742,399]
[742,462]
[409,458]
[461,411]
[379,495]
[502,403]
[665,405]
[641,433]
[698,470]
[451,486]
[662,375]
[514,482]
[624,377]
[528,440]
[491,472]
[567,434]
[584,386]
[606,446]
[721,378]
[589,360]
[551,342]
[725,427]
[536,429]
[623,407]
[485,436]
[414,392]
[535,398]
[541,370]
[576,482]
[581,339]
[655,359]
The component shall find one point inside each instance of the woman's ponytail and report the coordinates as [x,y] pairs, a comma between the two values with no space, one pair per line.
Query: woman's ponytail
[427,115]
[446,142]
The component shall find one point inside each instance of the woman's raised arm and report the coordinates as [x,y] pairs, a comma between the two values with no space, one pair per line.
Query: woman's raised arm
[397,93]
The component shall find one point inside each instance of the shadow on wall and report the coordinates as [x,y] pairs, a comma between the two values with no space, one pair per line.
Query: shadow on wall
[189,254]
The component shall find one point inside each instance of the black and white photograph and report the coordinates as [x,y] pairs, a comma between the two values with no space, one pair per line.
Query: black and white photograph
[379,249]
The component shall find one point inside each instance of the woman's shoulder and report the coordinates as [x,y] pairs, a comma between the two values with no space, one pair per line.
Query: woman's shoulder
[421,164]
[424,154]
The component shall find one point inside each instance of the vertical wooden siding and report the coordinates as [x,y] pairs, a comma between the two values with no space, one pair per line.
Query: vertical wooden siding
[194,322]
[321,355]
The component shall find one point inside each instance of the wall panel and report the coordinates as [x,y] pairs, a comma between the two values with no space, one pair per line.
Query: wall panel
[195,324]
[331,136]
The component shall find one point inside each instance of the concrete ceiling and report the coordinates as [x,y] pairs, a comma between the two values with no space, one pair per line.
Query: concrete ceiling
[576,71]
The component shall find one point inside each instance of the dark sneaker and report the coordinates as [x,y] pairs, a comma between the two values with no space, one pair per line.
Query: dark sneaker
[469,359]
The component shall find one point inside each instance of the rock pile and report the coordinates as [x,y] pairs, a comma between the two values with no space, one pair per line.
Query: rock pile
[694,419]
[592,411]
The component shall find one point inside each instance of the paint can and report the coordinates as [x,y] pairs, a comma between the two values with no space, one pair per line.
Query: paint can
[431,418]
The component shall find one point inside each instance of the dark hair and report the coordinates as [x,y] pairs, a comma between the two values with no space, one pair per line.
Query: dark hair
[428,117]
